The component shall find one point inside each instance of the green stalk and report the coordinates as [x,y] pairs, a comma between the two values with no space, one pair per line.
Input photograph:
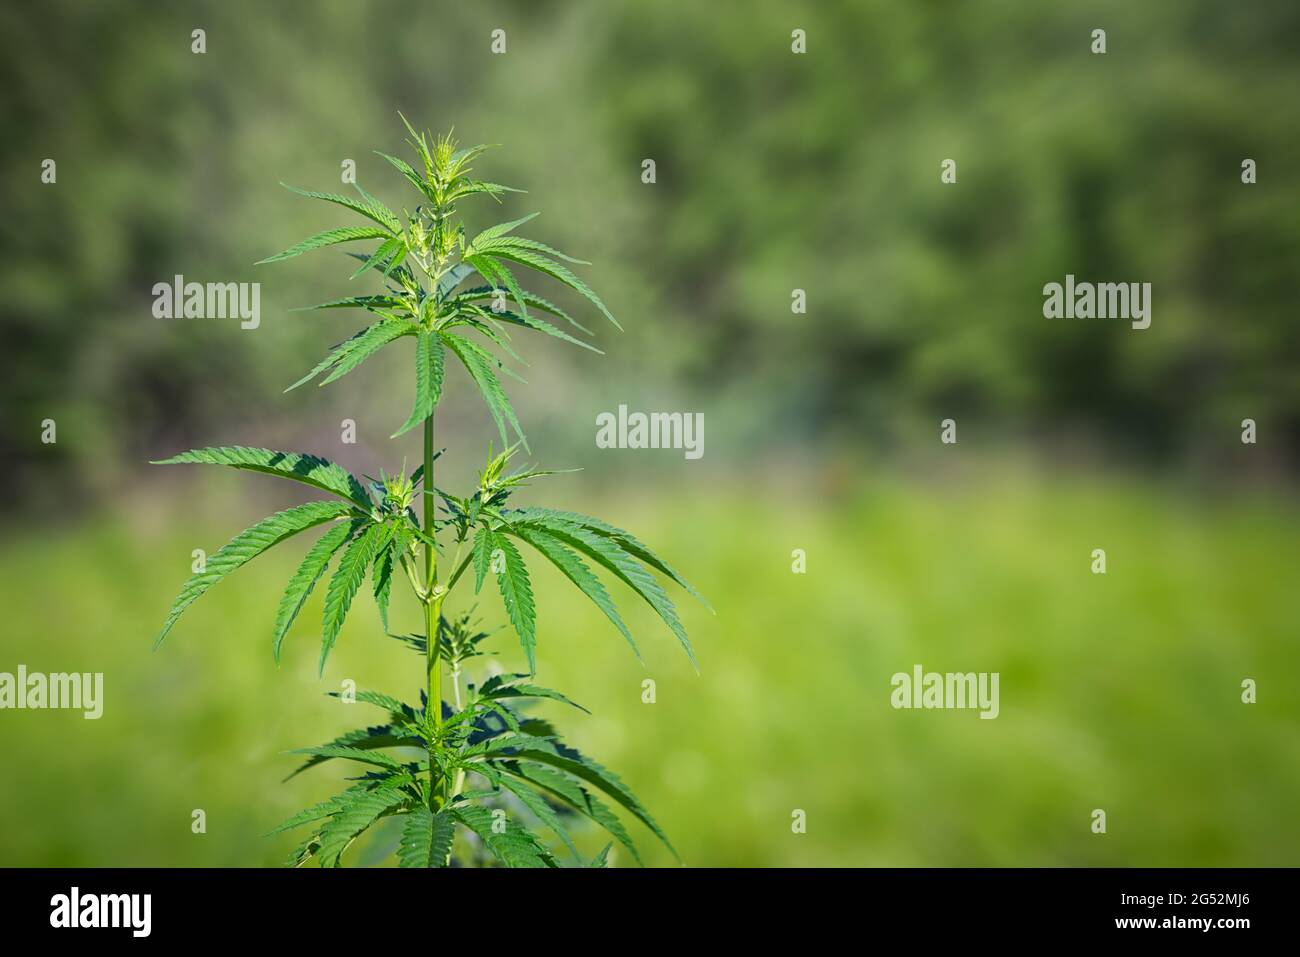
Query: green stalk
[432,604]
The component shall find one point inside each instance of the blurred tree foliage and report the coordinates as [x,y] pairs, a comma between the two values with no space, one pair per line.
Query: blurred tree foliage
[775,171]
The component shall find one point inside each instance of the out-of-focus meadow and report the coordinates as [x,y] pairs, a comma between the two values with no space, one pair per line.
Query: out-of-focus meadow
[1119,692]
[774,172]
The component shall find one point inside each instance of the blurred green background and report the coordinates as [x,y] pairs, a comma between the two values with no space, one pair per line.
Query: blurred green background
[775,171]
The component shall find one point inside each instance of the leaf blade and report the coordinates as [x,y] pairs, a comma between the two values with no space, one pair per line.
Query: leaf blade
[246,546]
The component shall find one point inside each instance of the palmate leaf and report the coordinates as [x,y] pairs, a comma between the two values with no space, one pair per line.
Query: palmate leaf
[532,321]
[467,302]
[371,341]
[297,466]
[412,177]
[350,353]
[381,577]
[322,810]
[565,788]
[390,254]
[331,237]
[387,267]
[306,577]
[428,379]
[517,594]
[397,709]
[368,207]
[608,553]
[454,276]
[246,546]
[363,739]
[354,302]
[347,824]
[498,273]
[510,686]
[371,781]
[469,187]
[352,753]
[487,325]
[495,232]
[568,562]
[530,298]
[345,582]
[400,715]
[472,357]
[336,352]
[515,847]
[535,803]
[626,540]
[482,556]
[499,249]
[573,762]
[426,838]
[521,242]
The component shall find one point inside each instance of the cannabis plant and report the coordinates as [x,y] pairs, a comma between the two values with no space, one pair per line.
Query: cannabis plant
[474,764]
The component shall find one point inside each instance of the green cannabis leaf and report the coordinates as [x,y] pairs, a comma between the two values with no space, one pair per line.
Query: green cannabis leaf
[475,779]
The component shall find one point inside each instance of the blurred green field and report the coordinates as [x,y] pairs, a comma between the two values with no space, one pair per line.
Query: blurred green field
[1119,692]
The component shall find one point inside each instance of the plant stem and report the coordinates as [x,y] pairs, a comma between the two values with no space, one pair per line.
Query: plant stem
[432,603]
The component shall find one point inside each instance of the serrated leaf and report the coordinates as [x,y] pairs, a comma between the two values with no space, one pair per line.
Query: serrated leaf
[626,540]
[541,810]
[532,299]
[362,739]
[515,847]
[500,229]
[347,824]
[534,260]
[489,387]
[381,576]
[453,278]
[517,594]
[366,345]
[574,569]
[532,321]
[336,353]
[482,556]
[608,553]
[305,578]
[508,686]
[331,237]
[341,800]
[470,187]
[369,207]
[320,811]
[428,379]
[297,466]
[580,766]
[386,258]
[426,838]
[246,546]
[354,302]
[344,584]
[352,753]
[380,700]
[412,177]
[521,242]
[571,792]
